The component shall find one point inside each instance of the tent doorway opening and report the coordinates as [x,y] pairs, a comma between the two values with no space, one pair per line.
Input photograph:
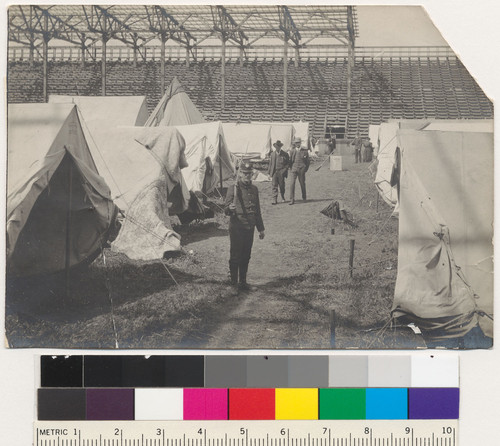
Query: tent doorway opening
[62,226]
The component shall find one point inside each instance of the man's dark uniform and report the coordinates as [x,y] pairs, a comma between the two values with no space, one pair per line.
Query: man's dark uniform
[242,224]
[299,163]
[278,170]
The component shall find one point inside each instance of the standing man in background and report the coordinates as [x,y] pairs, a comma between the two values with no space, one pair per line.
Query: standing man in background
[242,204]
[299,164]
[278,170]
[357,144]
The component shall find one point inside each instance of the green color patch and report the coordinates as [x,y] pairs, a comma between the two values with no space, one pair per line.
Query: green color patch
[342,404]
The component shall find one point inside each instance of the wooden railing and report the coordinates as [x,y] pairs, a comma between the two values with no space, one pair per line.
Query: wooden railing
[210,53]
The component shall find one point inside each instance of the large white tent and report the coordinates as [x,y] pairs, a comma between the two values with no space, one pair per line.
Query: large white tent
[141,165]
[445,261]
[282,131]
[144,169]
[209,160]
[248,140]
[388,143]
[112,110]
[59,210]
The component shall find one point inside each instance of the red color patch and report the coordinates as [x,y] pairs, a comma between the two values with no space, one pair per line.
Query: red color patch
[251,404]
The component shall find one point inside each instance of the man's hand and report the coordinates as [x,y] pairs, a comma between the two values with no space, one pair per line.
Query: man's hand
[261,235]
[232,207]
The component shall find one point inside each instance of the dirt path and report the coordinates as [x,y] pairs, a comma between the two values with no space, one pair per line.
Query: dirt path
[298,242]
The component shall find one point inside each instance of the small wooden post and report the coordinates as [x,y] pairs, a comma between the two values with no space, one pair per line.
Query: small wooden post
[333,323]
[377,200]
[351,256]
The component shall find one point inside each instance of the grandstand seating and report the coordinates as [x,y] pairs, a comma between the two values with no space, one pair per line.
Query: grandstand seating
[381,88]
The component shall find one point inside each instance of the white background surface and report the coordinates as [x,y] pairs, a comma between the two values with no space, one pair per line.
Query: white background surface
[472,28]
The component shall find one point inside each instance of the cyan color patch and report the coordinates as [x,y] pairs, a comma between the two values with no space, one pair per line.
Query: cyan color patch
[386,404]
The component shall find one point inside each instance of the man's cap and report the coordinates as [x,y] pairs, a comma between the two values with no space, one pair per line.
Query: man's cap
[297,139]
[278,144]
[246,167]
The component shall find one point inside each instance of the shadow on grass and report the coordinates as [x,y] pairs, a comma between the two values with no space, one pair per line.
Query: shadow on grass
[89,290]
[198,231]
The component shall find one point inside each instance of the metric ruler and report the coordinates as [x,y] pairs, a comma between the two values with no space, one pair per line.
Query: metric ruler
[247,433]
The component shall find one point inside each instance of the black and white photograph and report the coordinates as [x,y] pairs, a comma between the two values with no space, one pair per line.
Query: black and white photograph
[244,177]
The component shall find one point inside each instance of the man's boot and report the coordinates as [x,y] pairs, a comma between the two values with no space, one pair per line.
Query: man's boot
[292,202]
[243,285]
[275,200]
[233,271]
[283,197]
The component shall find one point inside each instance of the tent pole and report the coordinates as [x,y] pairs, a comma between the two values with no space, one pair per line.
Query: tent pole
[68,228]
[220,165]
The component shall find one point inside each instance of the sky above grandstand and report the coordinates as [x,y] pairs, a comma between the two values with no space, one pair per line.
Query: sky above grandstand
[396,26]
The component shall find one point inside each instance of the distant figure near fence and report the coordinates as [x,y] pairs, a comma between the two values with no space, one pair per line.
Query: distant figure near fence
[367,151]
[357,143]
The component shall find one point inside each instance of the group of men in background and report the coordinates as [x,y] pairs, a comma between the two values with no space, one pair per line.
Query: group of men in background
[297,162]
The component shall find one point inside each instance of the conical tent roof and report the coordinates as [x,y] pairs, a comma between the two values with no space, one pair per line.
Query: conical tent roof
[175,108]
[59,209]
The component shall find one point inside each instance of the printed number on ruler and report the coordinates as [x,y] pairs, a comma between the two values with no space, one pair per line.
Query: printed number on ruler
[247,433]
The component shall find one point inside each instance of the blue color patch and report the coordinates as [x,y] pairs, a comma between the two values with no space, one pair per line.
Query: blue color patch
[386,404]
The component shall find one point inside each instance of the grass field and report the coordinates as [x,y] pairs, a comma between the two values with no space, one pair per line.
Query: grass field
[299,272]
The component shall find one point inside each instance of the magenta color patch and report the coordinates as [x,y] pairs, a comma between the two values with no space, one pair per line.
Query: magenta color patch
[205,404]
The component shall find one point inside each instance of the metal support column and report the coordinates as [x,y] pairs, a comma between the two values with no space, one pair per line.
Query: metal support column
[242,55]
[297,57]
[285,73]
[45,57]
[162,64]
[223,73]
[187,56]
[349,76]
[103,66]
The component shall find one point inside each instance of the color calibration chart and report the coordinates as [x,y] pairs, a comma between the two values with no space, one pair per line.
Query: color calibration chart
[248,400]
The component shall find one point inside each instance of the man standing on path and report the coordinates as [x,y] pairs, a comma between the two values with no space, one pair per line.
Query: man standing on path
[278,170]
[242,204]
[299,164]
[357,144]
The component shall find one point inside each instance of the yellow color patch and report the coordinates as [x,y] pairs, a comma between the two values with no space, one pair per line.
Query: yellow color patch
[296,404]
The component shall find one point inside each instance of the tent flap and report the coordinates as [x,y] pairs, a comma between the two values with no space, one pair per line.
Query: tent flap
[445,229]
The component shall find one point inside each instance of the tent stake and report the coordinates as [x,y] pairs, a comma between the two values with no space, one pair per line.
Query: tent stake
[351,256]
[333,323]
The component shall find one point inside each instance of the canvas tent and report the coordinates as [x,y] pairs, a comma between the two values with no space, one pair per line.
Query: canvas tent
[142,167]
[111,110]
[281,131]
[209,160]
[248,140]
[175,108]
[445,269]
[373,131]
[285,132]
[59,210]
[388,143]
